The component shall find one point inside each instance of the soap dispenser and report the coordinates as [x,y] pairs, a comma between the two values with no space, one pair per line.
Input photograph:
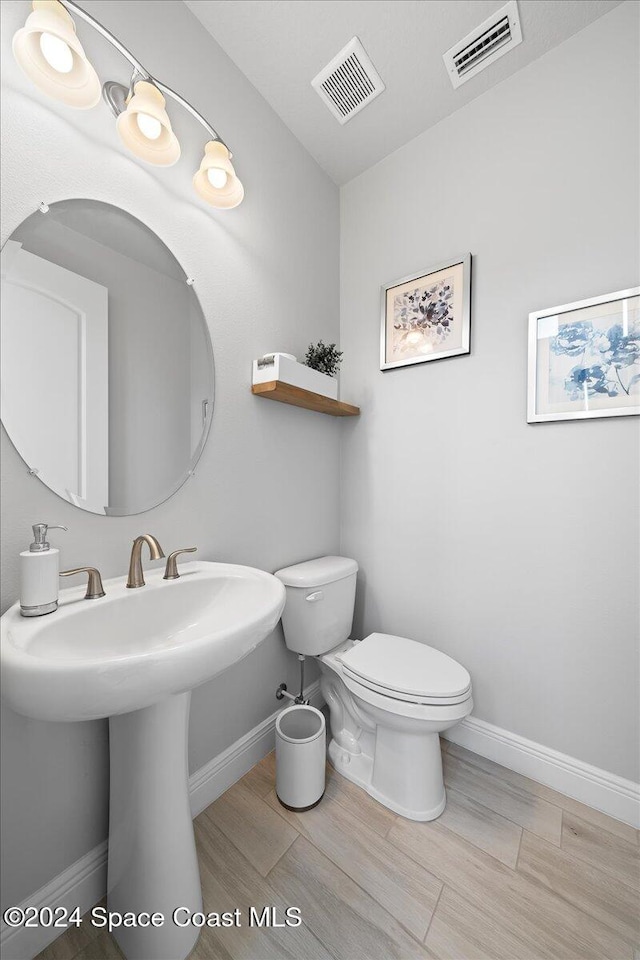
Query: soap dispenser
[39,572]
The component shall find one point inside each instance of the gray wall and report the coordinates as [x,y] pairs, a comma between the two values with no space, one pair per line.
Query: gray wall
[512,547]
[266,489]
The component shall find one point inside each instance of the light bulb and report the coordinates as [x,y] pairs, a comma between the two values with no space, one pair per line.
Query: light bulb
[149,126]
[56,52]
[217,177]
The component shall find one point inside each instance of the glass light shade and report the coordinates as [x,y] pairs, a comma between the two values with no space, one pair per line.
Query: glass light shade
[216,158]
[164,149]
[74,81]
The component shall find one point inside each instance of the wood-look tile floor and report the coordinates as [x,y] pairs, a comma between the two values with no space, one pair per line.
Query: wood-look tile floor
[510,871]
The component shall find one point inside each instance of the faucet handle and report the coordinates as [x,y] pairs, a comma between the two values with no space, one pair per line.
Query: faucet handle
[95,590]
[171,570]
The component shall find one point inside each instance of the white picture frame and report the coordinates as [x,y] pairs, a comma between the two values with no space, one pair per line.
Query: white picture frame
[584,359]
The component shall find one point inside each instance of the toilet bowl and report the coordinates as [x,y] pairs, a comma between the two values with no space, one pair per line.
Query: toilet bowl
[389,697]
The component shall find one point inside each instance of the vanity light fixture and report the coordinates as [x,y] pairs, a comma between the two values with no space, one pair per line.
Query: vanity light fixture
[50,54]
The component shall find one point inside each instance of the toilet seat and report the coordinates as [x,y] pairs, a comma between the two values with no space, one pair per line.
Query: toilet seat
[403,669]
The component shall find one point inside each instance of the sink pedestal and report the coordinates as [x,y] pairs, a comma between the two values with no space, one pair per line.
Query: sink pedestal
[153,865]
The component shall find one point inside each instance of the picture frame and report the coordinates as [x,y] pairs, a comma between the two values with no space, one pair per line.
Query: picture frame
[584,359]
[426,316]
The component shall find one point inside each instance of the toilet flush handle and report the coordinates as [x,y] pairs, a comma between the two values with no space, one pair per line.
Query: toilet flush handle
[314,597]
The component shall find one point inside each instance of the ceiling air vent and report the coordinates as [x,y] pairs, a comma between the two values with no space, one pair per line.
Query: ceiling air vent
[491,40]
[349,82]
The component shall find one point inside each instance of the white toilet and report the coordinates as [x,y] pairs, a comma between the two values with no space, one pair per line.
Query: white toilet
[389,697]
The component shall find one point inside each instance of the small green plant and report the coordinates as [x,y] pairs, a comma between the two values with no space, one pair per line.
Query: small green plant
[324,358]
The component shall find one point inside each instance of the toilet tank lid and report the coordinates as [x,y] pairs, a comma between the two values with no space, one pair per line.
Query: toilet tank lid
[315,573]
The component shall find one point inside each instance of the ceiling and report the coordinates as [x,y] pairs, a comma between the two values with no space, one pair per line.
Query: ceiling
[280,45]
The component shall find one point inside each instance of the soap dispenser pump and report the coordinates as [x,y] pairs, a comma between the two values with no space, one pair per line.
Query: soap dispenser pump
[39,573]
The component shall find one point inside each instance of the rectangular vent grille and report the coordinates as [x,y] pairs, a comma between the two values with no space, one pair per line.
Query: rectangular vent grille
[491,40]
[349,82]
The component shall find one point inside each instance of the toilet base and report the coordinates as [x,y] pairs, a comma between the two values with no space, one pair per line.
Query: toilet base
[359,770]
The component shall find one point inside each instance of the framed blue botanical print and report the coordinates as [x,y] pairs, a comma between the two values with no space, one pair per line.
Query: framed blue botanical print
[584,359]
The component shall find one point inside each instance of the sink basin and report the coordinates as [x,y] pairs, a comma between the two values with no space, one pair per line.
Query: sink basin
[134,656]
[132,648]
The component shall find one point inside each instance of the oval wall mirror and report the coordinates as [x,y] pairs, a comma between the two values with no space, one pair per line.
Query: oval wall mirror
[107,366]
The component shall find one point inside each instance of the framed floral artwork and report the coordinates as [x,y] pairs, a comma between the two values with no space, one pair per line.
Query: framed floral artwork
[584,359]
[427,317]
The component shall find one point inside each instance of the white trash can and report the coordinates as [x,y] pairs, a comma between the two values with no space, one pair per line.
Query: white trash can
[300,757]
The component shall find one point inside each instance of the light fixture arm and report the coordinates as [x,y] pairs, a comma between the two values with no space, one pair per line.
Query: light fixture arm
[192,110]
[120,47]
[73,7]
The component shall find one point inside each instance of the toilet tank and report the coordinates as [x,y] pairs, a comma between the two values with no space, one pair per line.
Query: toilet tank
[318,612]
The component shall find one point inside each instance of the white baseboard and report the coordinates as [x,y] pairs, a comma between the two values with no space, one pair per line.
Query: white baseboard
[80,885]
[613,795]
[85,881]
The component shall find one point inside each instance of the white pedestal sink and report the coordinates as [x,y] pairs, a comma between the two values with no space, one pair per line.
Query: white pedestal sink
[134,656]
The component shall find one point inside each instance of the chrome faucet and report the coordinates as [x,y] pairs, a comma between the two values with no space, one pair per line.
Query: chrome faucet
[136,578]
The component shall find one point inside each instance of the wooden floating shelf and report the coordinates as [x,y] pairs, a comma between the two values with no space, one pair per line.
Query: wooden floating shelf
[286,393]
